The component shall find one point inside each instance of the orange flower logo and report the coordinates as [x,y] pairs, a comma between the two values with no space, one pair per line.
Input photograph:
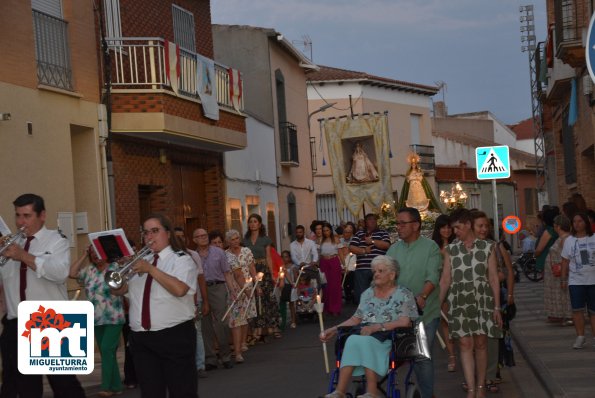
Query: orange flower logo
[43,319]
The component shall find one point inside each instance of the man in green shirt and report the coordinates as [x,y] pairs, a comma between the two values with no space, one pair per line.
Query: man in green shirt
[420,261]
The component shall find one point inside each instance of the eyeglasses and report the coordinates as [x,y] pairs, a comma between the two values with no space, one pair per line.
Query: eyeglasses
[151,231]
[399,223]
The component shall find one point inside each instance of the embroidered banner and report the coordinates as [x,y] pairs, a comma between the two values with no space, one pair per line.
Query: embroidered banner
[358,151]
[205,86]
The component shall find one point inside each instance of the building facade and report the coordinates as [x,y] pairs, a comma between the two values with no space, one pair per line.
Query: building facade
[275,95]
[166,141]
[52,137]
[567,99]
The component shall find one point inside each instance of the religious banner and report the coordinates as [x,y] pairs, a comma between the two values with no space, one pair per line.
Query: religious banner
[358,150]
[205,86]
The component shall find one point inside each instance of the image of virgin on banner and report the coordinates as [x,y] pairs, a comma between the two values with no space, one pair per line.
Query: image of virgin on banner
[362,168]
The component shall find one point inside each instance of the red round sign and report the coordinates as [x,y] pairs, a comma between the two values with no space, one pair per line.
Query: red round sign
[511,224]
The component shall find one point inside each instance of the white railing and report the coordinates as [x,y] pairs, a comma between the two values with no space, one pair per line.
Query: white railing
[139,63]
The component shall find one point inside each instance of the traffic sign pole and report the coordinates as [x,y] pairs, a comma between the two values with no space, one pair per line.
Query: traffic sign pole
[496,222]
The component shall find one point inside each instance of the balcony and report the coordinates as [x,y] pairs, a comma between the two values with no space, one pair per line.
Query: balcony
[52,52]
[289,144]
[145,105]
[571,17]
[139,63]
[426,156]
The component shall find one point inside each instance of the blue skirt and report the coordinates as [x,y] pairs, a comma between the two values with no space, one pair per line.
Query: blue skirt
[366,352]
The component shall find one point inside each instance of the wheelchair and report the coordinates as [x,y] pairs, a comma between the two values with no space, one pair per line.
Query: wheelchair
[403,352]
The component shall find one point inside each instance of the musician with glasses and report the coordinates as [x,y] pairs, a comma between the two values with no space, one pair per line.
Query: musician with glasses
[37,270]
[161,294]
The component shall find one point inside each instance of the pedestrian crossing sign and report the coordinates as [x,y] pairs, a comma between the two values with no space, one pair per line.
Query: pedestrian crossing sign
[492,162]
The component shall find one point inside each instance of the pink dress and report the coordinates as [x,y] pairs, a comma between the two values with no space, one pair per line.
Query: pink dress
[331,266]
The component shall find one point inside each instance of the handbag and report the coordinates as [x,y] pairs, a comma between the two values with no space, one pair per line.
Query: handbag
[412,343]
[557,270]
[322,278]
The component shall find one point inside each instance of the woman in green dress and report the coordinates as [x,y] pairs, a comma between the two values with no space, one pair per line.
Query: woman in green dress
[470,278]
[268,317]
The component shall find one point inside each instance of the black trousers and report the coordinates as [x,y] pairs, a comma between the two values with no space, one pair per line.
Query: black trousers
[15,384]
[129,372]
[165,361]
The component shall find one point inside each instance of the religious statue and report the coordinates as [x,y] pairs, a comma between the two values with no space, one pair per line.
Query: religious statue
[416,197]
[362,169]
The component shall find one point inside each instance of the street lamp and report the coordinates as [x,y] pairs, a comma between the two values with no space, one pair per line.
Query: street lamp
[456,198]
[321,109]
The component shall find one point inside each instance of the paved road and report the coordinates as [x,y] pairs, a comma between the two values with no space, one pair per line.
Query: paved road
[293,367]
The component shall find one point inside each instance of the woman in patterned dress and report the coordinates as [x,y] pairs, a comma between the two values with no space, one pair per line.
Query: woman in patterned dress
[268,318]
[109,316]
[470,278]
[241,262]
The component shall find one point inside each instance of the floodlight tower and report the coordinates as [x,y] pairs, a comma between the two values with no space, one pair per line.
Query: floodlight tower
[535,52]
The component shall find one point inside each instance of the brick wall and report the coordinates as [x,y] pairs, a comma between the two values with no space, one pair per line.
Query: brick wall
[136,162]
[159,102]
[153,18]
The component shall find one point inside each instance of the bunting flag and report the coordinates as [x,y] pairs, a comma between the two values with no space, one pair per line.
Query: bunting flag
[206,87]
[235,88]
[358,151]
[172,65]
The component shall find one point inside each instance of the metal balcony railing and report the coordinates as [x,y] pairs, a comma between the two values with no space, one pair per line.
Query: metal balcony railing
[568,25]
[426,156]
[289,144]
[139,63]
[52,51]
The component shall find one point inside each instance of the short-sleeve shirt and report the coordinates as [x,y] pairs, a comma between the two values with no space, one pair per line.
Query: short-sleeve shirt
[400,303]
[580,252]
[166,309]
[259,247]
[109,309]
[420,262]
[364,261]
[215,265]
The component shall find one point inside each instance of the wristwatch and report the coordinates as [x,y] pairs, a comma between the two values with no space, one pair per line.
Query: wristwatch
[382,328]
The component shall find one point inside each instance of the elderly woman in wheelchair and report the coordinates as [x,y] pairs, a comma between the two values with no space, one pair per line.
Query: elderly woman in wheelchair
[383,307]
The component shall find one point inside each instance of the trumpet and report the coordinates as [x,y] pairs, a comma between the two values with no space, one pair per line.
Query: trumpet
[9,240]
[115,279]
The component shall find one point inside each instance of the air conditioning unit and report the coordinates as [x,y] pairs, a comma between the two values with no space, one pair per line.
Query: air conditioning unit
[587,84]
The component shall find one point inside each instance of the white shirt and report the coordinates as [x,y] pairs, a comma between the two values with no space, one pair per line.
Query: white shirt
[48,282]
[304,252]
[580,252]
[167,310]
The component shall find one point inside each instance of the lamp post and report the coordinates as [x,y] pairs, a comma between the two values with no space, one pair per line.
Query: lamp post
[321,109]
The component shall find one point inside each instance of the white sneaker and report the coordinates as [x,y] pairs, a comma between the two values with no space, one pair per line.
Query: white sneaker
[579,342]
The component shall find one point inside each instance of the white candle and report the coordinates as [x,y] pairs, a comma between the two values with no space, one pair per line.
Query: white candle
[319,308]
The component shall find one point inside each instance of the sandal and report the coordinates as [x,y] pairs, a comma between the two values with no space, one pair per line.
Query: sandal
[277,335]
[479,390]
[250,341]
[491,386]
[452,363]
[464,386]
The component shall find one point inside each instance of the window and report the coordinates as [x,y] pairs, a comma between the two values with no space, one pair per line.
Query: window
[415,129]
[51,44]
[252,204]
[113,25]
[235,215]
[183,28]
[569,150]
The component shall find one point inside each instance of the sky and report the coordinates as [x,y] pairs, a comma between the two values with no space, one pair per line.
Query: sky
[474,46]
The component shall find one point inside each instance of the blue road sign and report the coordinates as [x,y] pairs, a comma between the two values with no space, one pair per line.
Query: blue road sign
[492,162]
[590,49]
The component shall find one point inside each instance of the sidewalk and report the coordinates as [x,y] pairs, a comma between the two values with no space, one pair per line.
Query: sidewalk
[547,347]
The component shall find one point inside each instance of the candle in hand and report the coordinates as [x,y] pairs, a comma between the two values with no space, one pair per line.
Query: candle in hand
[318,299]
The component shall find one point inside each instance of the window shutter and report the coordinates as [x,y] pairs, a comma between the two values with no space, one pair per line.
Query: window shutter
[113,25]
[183,28]
[51,7]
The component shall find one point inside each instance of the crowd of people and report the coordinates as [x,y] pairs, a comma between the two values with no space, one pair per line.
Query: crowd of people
[186,312]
